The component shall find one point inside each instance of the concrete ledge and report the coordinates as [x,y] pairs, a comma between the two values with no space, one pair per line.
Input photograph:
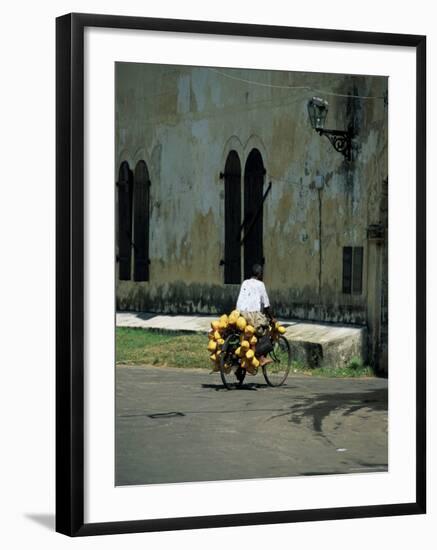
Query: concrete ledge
[317,345]
[314,345]
[156,321]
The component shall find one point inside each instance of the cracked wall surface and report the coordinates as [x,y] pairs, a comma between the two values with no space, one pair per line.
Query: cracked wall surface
[183,121]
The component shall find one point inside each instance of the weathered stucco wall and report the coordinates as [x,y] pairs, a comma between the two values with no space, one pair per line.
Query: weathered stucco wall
[183,121]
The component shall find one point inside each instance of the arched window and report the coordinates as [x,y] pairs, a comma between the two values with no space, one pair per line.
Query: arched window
[254,173]
[232,178]
[141,222]
[124,186]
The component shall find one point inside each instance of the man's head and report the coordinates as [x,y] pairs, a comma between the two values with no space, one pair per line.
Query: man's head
[257,272]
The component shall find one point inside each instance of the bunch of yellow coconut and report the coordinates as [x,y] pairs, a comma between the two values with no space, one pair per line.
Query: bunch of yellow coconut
[234,322]
[277,330]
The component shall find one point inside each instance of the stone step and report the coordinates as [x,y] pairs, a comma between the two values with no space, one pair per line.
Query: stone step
[172,323]
[316,345]
[313,345]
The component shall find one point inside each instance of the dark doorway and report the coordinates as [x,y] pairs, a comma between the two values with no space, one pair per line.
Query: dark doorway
[141,222]
[125,190]
[253,212]
[232,176]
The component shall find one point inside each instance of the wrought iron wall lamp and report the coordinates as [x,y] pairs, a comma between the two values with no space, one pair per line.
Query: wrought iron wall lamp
[341,140]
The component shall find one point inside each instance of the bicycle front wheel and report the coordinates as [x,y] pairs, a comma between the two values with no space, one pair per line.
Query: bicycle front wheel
[276,373]
[229,363]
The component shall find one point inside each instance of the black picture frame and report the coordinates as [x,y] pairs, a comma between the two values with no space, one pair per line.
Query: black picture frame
[70,273]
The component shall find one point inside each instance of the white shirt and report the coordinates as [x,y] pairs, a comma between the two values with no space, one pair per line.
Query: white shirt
[253,296]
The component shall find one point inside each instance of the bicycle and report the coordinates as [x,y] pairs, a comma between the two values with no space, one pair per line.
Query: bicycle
[275,373]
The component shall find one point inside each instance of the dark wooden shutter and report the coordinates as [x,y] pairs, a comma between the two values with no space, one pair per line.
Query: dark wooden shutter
[253,212]
[141,222]
[347,269]
[124,186]
[232,176]
[357,270]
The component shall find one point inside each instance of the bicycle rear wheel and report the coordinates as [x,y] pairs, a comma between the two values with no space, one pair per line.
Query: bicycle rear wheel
[229,363]
[276,373]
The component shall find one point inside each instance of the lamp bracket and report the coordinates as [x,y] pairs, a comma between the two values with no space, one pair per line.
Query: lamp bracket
[341,140]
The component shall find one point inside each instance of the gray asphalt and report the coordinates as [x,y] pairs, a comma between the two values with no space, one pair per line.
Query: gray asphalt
[178,425]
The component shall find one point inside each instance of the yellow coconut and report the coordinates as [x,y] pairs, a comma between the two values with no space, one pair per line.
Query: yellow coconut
[281,330]
[241,323]
[238,352]
[250,354]
[249,330]
[235,313]
[224,318]
[253,340]
[215,325]
[211,335]
[217,335]
[233,318]
[245,345]
[213,357]
[212,346]
[255,362]
[220,341]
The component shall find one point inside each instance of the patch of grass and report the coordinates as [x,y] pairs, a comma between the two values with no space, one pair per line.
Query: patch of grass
[138,346]
[185,350]
[355,363]
[355,369]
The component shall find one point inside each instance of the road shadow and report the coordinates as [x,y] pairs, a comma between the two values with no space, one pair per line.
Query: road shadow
[250,386]
[220,387]
[143,315]
[317,408]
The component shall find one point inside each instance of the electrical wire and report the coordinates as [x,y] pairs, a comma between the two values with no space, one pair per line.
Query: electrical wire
[285,87]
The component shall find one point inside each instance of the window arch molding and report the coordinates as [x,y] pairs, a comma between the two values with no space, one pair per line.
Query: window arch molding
[124,156]
[141,155]
[255,142]
[232,144]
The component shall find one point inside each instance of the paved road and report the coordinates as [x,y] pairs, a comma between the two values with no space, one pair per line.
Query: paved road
[176,425]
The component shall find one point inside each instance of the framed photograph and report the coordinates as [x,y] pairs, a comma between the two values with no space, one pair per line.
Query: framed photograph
[240,274]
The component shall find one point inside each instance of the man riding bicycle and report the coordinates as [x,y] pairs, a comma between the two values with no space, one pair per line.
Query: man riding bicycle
[254,305]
